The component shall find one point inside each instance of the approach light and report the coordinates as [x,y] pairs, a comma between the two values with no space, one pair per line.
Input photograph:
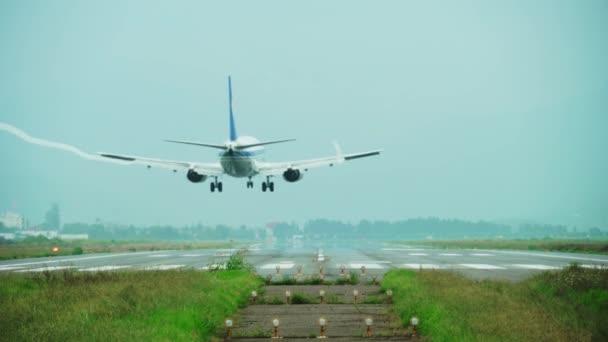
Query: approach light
[356,295]
[322,323]
[368,322]
[414,321]
[288,297]
[254,295]
[55,249]
[275,324]
[228,323]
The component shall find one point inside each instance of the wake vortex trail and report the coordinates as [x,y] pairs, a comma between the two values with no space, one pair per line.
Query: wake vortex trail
[52,144]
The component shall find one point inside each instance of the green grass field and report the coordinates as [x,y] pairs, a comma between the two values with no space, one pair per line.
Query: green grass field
[572,246]
[35,247]
[566,305]
[121,306]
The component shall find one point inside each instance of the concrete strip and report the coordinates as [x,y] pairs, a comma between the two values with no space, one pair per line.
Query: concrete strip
[483,267]
[103,268]
[162,267]
[45,269]
[536,267]
[422,266]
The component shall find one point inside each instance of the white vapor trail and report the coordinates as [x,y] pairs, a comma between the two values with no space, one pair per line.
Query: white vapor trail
[52,144]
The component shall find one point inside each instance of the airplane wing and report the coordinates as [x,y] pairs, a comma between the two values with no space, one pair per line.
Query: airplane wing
[273,169]
[210,169]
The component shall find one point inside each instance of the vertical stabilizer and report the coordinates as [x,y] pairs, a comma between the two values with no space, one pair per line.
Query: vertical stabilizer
[233,135]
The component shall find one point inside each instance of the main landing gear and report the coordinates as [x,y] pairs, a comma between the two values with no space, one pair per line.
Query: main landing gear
[249,183]
[216,185]
[268,185]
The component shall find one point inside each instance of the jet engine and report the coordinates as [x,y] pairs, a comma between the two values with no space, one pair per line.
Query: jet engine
[293,175]
[195,177]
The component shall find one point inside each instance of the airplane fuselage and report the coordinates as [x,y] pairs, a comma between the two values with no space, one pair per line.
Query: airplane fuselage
[241,163]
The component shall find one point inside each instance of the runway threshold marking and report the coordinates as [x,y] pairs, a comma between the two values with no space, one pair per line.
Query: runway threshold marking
[483,266]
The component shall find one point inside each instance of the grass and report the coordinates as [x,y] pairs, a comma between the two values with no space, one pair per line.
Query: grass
[566,305]
[571,246]
[298,298]
[35,247]
[139,306]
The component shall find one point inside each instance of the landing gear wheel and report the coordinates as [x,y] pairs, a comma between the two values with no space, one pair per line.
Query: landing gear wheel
[264,186]
[271,186]
[220,187]
[212,185]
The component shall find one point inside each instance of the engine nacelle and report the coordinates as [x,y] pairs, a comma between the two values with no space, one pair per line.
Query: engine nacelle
[195,177]
[293,175]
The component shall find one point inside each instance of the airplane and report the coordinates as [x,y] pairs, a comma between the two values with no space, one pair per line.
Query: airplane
[237,159]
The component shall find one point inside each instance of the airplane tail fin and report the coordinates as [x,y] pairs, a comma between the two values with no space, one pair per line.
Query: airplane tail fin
[233,135]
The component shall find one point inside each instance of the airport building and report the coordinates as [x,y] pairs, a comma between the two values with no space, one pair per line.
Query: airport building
[12,220]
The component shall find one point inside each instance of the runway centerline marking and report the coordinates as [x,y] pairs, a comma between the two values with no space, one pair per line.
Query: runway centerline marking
[483,267]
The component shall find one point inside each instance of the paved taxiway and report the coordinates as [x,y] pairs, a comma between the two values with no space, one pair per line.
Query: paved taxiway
[377,259]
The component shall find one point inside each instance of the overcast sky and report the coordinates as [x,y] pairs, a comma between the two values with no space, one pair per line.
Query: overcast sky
[485,109]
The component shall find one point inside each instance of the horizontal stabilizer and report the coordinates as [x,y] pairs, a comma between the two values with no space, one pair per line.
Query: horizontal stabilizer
[263,143]
[221,147]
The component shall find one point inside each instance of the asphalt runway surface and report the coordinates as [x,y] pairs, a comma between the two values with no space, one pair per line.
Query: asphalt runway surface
[377,258]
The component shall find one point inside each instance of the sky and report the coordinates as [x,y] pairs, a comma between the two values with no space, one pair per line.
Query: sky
[486,110]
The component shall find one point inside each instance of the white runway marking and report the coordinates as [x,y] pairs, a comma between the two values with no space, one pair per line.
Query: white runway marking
[403,249]
[536,267]
[368,266]
[552,256]
[162,267]
[417,254]
[376,262]
[44,269]
[282,265]
[9,268]
[423,266]
[450,254]
[483,267]
[158,256]
[192,255]
[47,261]
[212,267]
[595,266]
[482,254]
[102,268]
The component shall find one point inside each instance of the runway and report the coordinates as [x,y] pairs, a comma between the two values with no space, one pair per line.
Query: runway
[376,258]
